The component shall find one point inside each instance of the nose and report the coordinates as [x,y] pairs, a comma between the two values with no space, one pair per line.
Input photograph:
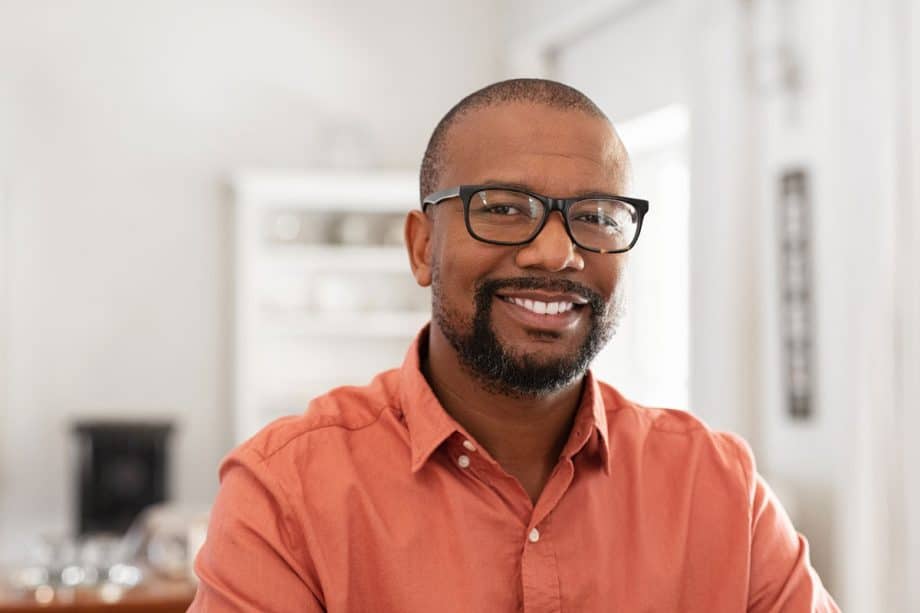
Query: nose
[552,249]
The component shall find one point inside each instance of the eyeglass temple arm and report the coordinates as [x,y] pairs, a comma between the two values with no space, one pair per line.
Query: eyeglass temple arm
[437,197]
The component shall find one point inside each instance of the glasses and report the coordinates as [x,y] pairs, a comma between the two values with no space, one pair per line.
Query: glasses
[510,216]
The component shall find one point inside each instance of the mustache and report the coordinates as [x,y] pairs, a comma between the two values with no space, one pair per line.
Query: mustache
[487,289]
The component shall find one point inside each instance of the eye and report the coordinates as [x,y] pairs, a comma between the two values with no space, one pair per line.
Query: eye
[503,209]
[506,205]
[599,219]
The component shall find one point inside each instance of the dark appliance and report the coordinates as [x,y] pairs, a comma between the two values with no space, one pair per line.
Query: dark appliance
[122,469]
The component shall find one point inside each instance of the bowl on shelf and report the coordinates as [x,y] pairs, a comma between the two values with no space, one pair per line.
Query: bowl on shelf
[391,230]
[356,229]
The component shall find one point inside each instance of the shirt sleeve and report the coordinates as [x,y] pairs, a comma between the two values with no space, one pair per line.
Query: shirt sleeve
[252,559]
[782,579]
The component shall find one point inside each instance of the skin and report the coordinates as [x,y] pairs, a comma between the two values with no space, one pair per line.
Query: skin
[550,151]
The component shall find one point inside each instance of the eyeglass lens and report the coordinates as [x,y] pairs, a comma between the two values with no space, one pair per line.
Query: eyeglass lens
[509,216]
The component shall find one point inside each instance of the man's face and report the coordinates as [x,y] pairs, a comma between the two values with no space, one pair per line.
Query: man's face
[484,295]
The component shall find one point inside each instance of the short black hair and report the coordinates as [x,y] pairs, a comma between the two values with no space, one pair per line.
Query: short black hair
[537,91]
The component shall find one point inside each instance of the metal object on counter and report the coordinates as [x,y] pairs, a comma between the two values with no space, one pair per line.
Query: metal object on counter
[157,550]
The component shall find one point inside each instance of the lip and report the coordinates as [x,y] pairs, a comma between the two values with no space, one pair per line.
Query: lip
[560,322]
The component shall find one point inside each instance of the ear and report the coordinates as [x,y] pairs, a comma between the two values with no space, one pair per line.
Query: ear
[418,235]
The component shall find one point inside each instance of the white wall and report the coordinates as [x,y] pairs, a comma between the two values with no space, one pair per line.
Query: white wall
[537,29]
[906,526]
[123,121]
[638,55]
[723,236]
[528,17]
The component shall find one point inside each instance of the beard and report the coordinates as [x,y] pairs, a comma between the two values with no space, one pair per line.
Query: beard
[505,370]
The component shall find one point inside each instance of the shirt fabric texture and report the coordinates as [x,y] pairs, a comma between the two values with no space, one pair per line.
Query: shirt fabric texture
[376,500]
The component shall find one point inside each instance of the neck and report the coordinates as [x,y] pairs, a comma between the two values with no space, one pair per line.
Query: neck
[524,435]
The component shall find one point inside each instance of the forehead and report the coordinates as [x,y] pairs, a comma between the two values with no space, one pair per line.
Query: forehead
[554,151]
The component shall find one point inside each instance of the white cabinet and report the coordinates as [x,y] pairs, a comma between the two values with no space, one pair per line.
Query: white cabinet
[323,290]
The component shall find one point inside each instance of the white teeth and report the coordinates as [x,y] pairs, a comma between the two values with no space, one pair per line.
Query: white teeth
[542,308]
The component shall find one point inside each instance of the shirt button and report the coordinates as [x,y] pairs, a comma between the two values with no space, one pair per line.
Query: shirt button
[469,445]
[463,461]
[534,536]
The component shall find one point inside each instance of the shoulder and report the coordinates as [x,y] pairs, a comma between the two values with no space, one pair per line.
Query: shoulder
[307,465]
[334,416]
[681,435]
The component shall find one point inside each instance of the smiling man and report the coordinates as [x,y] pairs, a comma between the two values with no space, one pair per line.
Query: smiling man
[492,472]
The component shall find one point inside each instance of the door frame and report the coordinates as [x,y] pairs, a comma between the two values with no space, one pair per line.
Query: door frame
[905,534]
[533,53]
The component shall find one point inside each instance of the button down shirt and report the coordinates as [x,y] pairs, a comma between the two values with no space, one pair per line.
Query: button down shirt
[376,500]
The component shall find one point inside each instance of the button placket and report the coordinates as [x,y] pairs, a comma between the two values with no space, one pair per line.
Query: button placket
[477,465]
[540,579]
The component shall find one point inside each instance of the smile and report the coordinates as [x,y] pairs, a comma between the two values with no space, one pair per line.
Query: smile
[552,315]
[540,307]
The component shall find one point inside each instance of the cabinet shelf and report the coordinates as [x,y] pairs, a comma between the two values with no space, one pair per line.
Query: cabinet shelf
[337,257]
[309,314]
[354,324]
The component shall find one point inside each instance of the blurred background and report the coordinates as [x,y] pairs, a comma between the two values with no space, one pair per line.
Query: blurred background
[201,208]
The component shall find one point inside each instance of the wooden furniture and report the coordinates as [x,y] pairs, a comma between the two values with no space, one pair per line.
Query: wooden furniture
[149,597]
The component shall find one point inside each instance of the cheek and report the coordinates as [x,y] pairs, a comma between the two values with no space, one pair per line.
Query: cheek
[461,263]
[451,267]
[458,278]
[465,257]
[609,273]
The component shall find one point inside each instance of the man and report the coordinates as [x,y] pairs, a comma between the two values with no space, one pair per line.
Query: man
[492,472]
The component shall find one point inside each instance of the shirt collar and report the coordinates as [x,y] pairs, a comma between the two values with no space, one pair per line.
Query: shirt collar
[430,425]
[590,418]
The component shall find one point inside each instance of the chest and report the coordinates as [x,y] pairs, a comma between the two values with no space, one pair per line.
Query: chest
[453,540]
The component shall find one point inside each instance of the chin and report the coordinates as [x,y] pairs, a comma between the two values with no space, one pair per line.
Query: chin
[553,345]
[540,352]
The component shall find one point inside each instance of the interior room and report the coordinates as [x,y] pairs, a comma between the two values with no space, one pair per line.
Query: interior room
[201,229]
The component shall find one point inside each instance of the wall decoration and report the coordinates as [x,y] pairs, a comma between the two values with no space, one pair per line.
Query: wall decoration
[796,284]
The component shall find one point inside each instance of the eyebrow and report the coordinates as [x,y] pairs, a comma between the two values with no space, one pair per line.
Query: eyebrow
[527,188]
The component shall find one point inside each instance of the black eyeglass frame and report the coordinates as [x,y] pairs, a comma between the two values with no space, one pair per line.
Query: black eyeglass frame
[465,192]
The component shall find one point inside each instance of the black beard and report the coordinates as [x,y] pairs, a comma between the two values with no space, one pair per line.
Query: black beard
[511,373]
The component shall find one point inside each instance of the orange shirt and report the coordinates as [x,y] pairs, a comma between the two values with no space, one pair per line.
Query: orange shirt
[376,500]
